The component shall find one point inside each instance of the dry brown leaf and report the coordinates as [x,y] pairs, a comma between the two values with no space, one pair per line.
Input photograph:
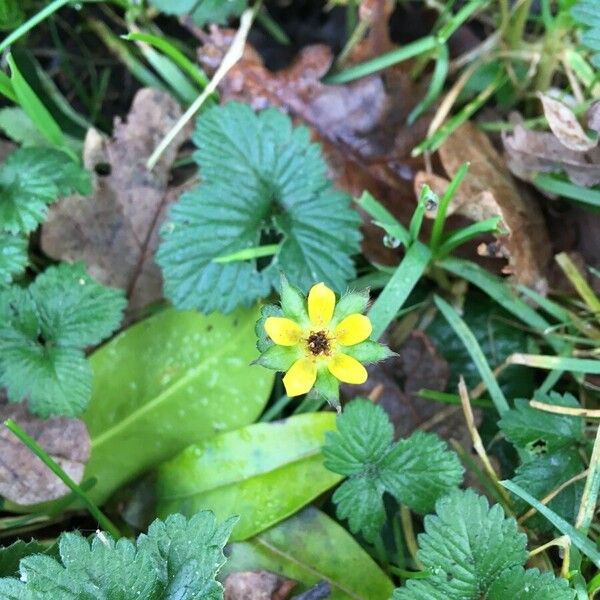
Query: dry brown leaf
[531,152]
[24,479]
[565,126]
[257,585]
[115,230]
[488,190]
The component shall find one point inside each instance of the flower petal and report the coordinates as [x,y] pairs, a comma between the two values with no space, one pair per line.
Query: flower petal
[282,331]
[347,369]
[300,378]
[321,303]
[353,330]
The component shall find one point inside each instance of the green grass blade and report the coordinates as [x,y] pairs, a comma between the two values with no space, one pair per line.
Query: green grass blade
[384,219]
[552,308]
[394,294]
[474,349]
[249,254]
[589,499]
[549,183]
[446,398]
[6,88]
[584,544]
[461,236]
[563,363]
[416,221]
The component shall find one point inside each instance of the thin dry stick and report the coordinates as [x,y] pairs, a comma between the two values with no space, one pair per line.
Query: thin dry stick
[555,492]
[409,535]
[232,56]
[587,508]
[563,542]
[477,443]
[586,413]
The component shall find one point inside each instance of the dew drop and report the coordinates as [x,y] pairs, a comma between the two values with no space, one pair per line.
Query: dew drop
[389,241]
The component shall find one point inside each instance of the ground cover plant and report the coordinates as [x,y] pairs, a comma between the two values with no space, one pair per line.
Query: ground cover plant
[299,300]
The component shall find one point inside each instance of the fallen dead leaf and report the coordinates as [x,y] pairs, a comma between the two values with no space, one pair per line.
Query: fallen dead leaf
[115,231]
[488,190]
[565,126]
[24,479]
[257,585]
[530,152]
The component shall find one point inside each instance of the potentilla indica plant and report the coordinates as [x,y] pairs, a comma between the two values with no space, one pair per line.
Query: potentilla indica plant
[317,341]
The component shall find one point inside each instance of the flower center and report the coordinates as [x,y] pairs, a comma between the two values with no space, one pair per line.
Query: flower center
[318,343]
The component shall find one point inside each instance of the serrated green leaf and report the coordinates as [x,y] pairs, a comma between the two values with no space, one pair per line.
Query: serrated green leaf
[419,470]
[538,432]
[293,303]
[311,547]
[368,352]
[466,546]
[43,330]
[176,559]
[364,434]
[540,476]
[263,472]
[263,341]
[279,358]
[518,584]
[13,256]
[259,176]
[175,378]
[11,555]
[31,179]
[203,11]
[416,471]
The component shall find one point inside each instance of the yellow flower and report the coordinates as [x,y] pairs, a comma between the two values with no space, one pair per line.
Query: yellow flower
[319,342]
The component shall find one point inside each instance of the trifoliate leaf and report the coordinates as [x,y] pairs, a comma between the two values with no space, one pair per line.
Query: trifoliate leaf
[31,179]
[539,432]
[466,546]
[540,476]
[416,471]
[13,256]
[419,470]
[261,179]
[202,11]
[177,559]
[518,584]
[43,331]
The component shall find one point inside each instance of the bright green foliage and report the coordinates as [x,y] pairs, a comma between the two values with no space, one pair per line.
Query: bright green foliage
[11,555]
[538,432]
[30,180]
[176,559]
[586,13]
[416,471]
[13,256]
[262,179]
[202,11]
[43,332]
[472,551]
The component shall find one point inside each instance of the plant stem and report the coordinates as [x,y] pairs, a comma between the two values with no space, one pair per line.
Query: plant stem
[516,27]
[26,439]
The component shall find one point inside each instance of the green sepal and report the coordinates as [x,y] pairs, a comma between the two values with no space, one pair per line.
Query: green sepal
[368,352]
[263,341]
[350,303]
[279,358]
[293,302]
[328,387]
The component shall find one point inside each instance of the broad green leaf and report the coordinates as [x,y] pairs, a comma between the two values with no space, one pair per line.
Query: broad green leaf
[43,332]
[518,584]
[32,178]
[311,547]
[416,471]
[538,432]
[263,473]
[261,178]
[168,381]
[203,11]
[540,476]
[13,256]
[177,559]
[18,127]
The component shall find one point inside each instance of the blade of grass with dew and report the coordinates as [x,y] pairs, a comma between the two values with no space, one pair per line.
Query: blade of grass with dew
[563,363]
[570,191]
[440,217]
[178,57]
[394,294]
[34,107]
[249,254]
[461,236]
[28,441]
[585,545]
[446,398]
[434,141]
[383,218]
[416,222]
[474,349]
